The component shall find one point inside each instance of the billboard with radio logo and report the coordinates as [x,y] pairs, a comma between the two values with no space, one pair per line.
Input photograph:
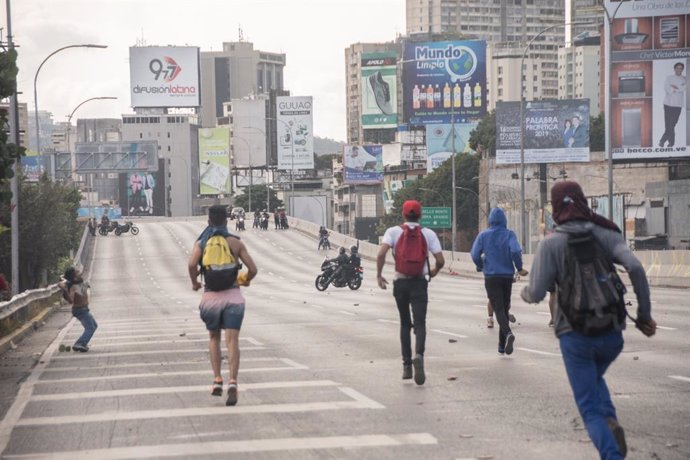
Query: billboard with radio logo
[164,76]
[444,81]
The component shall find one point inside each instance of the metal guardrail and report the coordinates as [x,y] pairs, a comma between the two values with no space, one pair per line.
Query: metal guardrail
[25,305]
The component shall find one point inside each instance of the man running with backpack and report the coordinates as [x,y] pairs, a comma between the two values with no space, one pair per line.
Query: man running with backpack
[590,313]
[216,255]
[411,246]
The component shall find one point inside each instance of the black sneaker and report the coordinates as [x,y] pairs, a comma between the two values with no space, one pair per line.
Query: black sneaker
[80,347]
[407,371]
[619,434]
[418,364]
[501,351]
[232,395]
[511,318]
[510,338]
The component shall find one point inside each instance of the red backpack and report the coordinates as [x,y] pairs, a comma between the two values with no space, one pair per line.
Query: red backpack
[411,252]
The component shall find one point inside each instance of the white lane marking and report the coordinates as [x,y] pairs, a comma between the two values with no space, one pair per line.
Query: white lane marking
[171,335]
[366,403]
[316,306]
[159,365]
[96,355]
[300,258]
[679,377]
[144,320]
[387,321]
[102,343]
[479,306]
[294,364]
[544,313]
[192,412]
[345,312]
[227,447]
[449,333]
[181,389]
[251,340]
[666,328]
[538,352]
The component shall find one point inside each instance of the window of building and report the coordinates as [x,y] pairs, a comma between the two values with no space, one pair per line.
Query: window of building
[168,135]
[368,206]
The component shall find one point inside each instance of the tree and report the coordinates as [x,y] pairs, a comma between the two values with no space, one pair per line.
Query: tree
[483,137]
[48,227]
[597,132]
[324,161]
[9,153]
[258,199]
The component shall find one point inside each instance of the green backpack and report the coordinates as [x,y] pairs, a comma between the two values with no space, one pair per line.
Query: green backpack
[219,267]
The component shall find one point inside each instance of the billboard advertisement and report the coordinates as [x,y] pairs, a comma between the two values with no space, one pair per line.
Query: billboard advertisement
[295,132]
[164,76]
[363,164]
[33,167]
[379,90]
[650,54]
[143,193]
[214,161]
[444,80]
[440,142]
[556,131]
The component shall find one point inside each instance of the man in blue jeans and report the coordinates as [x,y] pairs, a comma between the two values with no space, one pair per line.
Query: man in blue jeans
[586,357]
[75,291]
[497,253]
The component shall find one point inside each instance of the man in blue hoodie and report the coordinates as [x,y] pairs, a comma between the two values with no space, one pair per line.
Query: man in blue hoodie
[497,253]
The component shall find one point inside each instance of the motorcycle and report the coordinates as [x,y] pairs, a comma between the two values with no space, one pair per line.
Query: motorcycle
[328,277]
[127,227]
[324,243]
[239,224]
[103,230]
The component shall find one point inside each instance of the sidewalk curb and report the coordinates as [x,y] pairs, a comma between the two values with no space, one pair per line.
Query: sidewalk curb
[11,341]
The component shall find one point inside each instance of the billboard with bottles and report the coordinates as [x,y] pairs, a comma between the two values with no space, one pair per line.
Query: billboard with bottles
[444,81]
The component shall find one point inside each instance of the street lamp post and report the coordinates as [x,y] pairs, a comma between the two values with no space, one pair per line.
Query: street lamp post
[523,217]
[73,156]
[38,129]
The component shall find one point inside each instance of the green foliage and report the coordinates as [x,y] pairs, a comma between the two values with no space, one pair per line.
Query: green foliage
[436,190]
[9,153]
[48,230]
[324,161]
[597,133]
[483,137]
[258,199]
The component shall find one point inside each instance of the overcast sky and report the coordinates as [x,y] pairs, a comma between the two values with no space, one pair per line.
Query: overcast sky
[312,33]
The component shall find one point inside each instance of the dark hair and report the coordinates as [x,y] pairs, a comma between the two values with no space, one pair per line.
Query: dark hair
[679,64]
[69,274]
[217,214]
[412,217]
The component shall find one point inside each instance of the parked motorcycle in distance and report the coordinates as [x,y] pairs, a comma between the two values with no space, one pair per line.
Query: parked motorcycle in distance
[128,226]
[328,277]
[103,230]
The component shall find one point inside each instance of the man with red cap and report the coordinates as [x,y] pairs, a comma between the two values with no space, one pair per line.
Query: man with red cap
[411,245]
[587,356]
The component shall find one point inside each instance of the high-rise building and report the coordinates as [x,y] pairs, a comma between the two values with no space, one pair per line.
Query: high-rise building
[582,16]
[578,73]
[45,121]
[23,122]
[236,72]
[507,26]
[99,130]
[356,134]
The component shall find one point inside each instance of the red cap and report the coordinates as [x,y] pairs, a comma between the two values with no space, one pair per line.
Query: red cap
[412,208]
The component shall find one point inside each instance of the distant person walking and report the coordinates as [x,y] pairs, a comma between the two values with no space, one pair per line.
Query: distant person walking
[497,253]
[75,291]
[222,308]
[589,341]
[411,245]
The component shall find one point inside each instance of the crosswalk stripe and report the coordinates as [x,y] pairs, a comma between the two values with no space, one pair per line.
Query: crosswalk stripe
[96,355]
[180,389]
[244,446]
[201,361]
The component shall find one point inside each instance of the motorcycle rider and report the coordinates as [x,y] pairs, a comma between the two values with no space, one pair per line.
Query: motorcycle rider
[353,262]
[323,237]
[105,222]
[264,220]
[257,218]
[342,261]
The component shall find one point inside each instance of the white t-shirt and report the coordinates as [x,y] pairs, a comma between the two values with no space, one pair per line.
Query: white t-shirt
[432,243]
[675,97]
[360,160]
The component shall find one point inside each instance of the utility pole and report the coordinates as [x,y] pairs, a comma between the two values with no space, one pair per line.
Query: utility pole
[14,184]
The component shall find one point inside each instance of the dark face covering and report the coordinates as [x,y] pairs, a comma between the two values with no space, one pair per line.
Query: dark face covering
[569,203]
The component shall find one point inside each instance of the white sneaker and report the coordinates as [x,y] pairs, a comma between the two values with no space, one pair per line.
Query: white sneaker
[490,322]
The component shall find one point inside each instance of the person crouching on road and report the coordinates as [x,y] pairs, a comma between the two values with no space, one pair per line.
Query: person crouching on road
[586,357]
[222,309]
[497,253]
[75,291]
[411,245]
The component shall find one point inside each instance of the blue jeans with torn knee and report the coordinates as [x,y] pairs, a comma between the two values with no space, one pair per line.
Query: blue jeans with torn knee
[586,360]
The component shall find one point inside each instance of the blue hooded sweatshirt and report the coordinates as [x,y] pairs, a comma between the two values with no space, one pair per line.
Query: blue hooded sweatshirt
[501,251]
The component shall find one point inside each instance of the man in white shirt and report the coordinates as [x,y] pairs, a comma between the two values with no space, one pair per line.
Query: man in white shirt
[410,288]
[358,158]
[674,86]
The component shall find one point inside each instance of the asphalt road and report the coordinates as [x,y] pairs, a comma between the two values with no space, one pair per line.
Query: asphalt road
[320,372]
